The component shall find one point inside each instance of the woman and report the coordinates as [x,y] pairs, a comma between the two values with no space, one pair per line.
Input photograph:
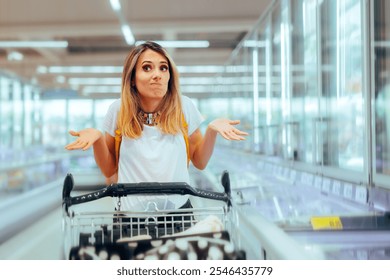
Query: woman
[149,115]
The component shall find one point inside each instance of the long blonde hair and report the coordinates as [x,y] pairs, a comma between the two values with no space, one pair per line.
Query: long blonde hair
[129,120]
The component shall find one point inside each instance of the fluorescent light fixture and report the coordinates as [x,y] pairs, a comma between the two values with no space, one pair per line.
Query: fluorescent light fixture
[254,44]
[115,5]
[33,44]
[14,55]
[239,69]
[88,90]
[195,88]
[126,30]
[184,81]
[128,34]
[83,69]
[41,69]
[201,69]
[180,44]
[95,81]
[197,80]
[60,79]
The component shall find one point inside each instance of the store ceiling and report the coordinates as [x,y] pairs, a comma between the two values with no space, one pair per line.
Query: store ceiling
[93,32]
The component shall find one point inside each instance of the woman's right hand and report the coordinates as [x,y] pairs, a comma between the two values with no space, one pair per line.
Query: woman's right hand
[85,139]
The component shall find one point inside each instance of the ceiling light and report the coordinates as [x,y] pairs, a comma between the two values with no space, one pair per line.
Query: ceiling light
[88,90]
[33,44]
[195,88]
[254,44]
[129,37]
[201,69]
[14,55]
[60,79]
[215,80]
[115,5]
[41,69]
[84,69]
[126,30]
[95,81]
[180,44]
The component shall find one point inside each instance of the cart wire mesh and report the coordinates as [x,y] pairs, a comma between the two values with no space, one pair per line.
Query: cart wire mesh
[198,233]
[101,228]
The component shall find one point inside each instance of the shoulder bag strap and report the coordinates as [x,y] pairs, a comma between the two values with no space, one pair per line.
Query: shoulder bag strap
[118,140]
[185,125]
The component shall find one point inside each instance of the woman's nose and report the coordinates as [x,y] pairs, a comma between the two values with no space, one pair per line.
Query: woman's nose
[156,75]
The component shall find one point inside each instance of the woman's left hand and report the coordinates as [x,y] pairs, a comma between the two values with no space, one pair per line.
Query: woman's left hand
[227,130]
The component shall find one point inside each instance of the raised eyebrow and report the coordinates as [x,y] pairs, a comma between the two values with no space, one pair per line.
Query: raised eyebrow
[150,62]
[146,61]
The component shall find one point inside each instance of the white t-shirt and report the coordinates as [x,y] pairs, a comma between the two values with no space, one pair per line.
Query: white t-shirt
[154,157]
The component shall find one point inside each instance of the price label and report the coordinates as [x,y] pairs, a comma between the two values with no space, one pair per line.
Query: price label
[332,222]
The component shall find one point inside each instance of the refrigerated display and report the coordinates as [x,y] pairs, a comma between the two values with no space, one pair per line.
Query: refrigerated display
[335,217]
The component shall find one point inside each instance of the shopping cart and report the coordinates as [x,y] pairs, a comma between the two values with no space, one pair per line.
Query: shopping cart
[192,233]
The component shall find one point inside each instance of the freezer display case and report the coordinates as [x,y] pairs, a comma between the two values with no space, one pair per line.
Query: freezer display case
[325,214]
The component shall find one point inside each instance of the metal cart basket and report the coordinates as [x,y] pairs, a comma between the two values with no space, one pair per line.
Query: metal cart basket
[190,233]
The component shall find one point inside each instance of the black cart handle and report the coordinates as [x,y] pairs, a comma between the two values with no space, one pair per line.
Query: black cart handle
[119,190]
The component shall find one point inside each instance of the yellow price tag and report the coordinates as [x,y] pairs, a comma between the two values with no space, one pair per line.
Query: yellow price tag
[319,223]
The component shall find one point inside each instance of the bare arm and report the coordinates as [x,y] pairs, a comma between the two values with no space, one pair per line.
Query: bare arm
[103,148]
[104,151]
[202,147]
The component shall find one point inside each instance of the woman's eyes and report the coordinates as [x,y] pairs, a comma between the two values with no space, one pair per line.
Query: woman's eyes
[147,68]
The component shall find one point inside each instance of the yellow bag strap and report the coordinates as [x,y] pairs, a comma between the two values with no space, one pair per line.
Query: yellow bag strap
[185,126]
[118,140]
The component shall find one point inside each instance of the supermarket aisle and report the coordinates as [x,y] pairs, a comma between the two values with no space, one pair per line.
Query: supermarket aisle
[41,241]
